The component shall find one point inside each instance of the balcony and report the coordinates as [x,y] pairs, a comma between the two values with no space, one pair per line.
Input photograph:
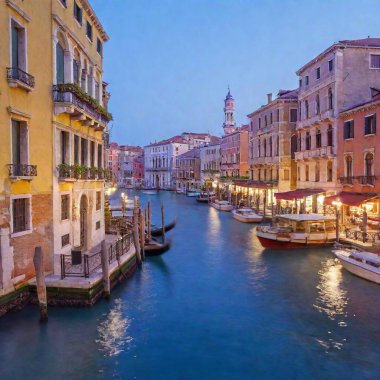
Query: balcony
[19,78]
[346,180]
[362,180]
[322,152]
[71,99]
[22,171]
[162,169]
[71,173]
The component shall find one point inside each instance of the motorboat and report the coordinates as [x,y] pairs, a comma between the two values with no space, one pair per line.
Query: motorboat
[221,205]
[204,197]
[192,193]
[362,264]
[149,190]
[298,231]
[246,215]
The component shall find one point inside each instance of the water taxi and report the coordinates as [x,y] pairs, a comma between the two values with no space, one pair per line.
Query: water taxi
[221,205]
[204,197]
[362,264]
[298,231]
[246,215]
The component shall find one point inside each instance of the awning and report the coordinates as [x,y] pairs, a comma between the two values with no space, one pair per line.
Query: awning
[255,185]
[298,194]
[350,199]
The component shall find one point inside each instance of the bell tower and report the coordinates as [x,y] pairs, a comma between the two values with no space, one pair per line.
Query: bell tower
[229,124]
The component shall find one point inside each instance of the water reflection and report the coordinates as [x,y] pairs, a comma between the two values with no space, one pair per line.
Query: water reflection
[113,331]
[331,299]
[214,226]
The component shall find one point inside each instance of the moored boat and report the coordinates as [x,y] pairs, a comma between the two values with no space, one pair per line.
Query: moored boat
[155,248]
[192,193]
[221,205]
[362,264]
[149,190]
[204,197]
[246,215]
[298,231]
[157,231]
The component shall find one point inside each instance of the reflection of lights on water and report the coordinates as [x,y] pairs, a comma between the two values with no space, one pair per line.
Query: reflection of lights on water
[331,297]
[113,331]
[214,225]
[332,300]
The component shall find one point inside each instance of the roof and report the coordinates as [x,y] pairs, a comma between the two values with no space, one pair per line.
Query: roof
[306,217]
[229,96]
[281,95]
[90,11]
[362,43]
[175,139]
[193,153]
[368,104]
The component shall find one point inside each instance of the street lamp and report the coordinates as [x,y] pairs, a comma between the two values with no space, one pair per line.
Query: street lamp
[338,205]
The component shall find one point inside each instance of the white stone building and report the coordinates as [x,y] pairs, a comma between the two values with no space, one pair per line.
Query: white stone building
[210,163]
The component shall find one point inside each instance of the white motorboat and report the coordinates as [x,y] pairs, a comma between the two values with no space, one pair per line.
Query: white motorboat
[149,190]
[298,231]
[192,193]
[362,264]
[246,215]
[222,205]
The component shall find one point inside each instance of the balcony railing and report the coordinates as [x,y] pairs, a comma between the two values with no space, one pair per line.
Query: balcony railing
[346,180]
[72,94]
[16,74]
[368,180]
[22,170]
[74,172]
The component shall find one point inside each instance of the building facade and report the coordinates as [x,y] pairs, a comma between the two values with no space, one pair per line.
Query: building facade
[188,171]
[335,80]
[272,127]
[52,176]
[161,157]
[138,170]
[210,164]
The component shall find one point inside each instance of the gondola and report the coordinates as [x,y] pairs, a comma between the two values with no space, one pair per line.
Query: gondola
[157,231]
[155,248]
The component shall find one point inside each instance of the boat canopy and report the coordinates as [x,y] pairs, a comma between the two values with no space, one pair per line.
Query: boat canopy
[367,256]
[306,217]
[297,194]
[350,199]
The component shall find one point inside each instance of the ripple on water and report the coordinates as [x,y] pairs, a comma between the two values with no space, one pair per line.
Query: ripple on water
[113,331]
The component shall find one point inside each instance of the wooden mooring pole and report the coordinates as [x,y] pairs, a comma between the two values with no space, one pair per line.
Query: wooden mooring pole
[38,261]
[149,221]
[105,269]
[142,233]
[136,238]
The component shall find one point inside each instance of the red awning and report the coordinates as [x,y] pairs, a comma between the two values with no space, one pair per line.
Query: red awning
[350,199]
[297,194]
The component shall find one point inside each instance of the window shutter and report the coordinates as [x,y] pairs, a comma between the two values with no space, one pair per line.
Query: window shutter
[374,124]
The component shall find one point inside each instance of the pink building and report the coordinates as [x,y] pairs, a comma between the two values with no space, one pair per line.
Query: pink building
[138,170]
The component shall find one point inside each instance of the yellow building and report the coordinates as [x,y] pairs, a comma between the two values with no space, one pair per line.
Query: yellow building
[53,114]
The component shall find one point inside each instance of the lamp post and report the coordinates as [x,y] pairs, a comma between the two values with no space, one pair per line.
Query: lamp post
[123,203]
[338,205]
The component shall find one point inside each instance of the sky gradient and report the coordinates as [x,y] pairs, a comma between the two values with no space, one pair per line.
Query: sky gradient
[169,62]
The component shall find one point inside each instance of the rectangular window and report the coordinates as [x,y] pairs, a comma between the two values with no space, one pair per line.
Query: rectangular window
[77,12]
[100,156]
[331,65]
[65,207]
[89,30]
[98,200]
[300,82]
[15,46]
[293,115]
[318,72]
[99,46]
[307,80]
[97,225]
[259,122]
[92,154]
[97,91]
[65,240]
[348,129]
[84,155]
[370,125]
[20,214]
[64,147]
[76,149]
[271,118]
[278,114]
[19,146]
[286,174]
[375,61]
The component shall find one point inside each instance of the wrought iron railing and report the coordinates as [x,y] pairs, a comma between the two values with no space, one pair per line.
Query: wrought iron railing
[14,73]
[69,93]
[367,180]
[83,264]
[22,170]
[346,180]
[76,171]
[362,236]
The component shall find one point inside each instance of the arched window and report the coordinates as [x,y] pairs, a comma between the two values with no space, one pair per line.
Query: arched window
[329,171]
[318,138]
[306,108]
[317,105]
[369,164]
[348,166]
[330,136]
[330,96]
[60,63]
[76,67]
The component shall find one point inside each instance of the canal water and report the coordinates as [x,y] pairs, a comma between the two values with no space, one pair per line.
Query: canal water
[216,306]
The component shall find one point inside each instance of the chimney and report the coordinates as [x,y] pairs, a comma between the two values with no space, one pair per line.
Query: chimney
[269,97]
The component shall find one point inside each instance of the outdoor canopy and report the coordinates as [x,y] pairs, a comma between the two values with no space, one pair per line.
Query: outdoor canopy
[297,194]
[350,199]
